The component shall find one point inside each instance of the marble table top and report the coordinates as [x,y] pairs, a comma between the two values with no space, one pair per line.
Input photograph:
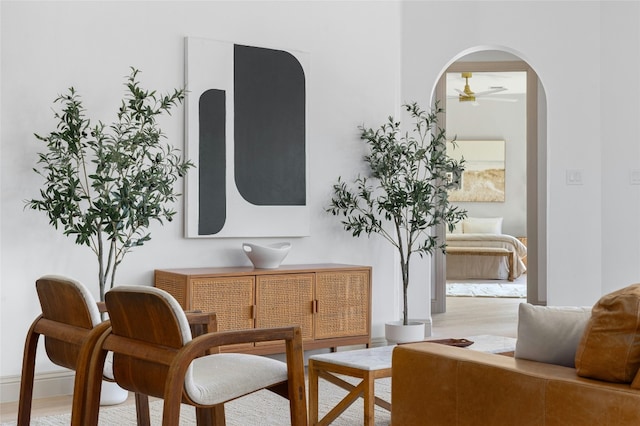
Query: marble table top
[379,358]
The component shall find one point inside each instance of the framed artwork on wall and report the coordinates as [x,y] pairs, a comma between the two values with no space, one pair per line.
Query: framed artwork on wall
[483,179]
[246,134]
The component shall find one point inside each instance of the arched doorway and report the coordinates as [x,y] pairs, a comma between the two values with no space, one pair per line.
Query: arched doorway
[536,165]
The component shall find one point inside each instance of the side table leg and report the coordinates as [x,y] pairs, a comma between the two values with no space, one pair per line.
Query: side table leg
[313,394]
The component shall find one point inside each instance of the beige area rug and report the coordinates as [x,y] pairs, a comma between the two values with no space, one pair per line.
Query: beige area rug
[488,288]
[262,408]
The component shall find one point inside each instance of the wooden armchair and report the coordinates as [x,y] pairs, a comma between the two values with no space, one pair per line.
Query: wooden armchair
[71,325]
[155,355]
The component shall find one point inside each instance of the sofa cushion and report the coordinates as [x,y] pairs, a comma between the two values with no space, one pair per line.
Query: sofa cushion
[550,334]
[610,347]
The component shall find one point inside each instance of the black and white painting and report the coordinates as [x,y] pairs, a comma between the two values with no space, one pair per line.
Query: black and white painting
[246,133]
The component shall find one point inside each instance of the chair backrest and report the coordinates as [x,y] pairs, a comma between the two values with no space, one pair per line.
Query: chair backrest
[66,301]
[150,316]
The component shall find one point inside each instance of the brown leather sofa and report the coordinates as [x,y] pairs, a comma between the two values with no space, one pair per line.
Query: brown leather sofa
[435,384]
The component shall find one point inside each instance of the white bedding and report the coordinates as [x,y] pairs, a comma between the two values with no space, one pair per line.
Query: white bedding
[484,267]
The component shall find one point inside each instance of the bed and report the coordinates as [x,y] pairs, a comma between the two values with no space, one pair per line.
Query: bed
[479,250]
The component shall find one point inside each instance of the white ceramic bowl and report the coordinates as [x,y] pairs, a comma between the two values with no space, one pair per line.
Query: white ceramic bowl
[266,257]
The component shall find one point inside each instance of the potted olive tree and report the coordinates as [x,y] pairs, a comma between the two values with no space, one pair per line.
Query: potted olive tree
[406,195]
[104,185]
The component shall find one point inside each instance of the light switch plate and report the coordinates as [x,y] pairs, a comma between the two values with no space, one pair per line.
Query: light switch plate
[574,177]
[635,177]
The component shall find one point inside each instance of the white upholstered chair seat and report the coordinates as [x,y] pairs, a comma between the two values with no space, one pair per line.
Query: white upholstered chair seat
[214,379]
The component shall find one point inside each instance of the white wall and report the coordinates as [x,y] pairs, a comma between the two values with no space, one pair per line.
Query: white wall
[574,59]
[620,139]
[49,46]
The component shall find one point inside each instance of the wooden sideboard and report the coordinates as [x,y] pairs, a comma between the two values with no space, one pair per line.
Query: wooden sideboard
[331,302]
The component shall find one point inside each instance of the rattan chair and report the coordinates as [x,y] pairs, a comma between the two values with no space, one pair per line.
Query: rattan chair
[155,355]
[71,325]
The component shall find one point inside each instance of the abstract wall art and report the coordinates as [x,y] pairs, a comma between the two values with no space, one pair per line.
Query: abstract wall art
[483,179]
[246,134]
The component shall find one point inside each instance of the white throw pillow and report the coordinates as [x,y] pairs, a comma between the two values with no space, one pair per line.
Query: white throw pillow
[550,334]
[482,225]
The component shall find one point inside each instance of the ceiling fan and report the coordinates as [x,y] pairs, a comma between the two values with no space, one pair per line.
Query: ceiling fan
[468,95]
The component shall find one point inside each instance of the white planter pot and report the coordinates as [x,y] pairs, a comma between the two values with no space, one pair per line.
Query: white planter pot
[396,332]
[112,394]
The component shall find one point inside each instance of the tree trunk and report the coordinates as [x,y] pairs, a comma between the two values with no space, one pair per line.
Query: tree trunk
[405,287]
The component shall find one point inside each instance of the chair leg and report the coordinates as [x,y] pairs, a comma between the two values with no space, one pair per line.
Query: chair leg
[142,409]
[26,381]
[295,372]
[298,408]
[88,415]
[88,377]
[210,416]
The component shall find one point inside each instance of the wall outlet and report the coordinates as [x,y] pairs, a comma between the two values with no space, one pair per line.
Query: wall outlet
[574,177]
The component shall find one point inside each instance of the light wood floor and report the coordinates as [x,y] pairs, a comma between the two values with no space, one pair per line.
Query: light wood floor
[465,316]
[471,316]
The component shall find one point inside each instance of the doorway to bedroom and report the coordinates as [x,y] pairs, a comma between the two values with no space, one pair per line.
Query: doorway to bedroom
[487,113]
[490,101]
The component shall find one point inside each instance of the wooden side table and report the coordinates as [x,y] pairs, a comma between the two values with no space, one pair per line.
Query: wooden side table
[365,364]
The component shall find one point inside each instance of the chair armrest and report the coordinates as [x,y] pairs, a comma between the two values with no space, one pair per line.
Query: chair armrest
[223,338]
[201,344]
[203,323]
[207,320]
[294,354]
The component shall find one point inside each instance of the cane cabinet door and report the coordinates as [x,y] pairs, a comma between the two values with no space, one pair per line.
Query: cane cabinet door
[285,299]
[342,304]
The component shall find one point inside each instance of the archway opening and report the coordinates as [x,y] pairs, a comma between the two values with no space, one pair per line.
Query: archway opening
[514,88]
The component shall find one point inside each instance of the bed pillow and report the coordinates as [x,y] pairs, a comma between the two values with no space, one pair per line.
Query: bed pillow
[550,334]
[610,347]
[482,225]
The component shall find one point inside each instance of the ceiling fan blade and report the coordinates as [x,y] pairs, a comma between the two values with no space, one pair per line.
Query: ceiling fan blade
[491,91]
[461,92]
[489,98]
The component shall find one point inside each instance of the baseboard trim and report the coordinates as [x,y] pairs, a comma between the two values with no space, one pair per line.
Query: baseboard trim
[378,341]
[45,385]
